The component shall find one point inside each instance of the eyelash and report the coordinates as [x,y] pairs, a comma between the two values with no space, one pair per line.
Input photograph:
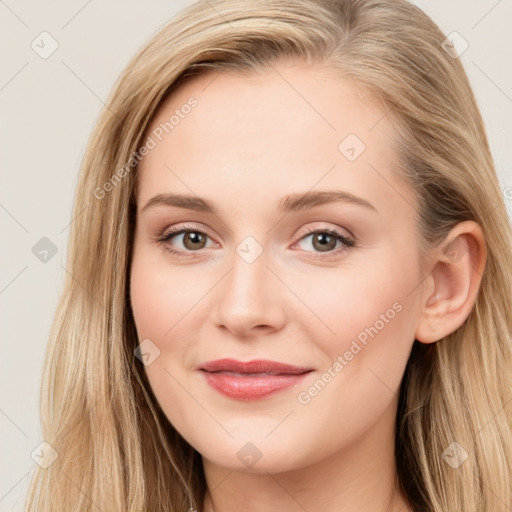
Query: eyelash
[347,242]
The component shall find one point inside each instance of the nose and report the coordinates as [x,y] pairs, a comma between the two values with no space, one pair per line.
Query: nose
[251,299]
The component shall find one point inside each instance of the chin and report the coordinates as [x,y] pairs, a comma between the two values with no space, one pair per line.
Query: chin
[255,454]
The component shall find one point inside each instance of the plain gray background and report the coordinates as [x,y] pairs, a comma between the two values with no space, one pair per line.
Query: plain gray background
[48,107]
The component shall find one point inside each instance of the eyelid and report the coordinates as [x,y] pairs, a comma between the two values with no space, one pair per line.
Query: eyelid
[308,231]
[176,230]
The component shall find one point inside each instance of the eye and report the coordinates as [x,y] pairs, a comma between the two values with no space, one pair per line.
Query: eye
[191,239]
[326,241]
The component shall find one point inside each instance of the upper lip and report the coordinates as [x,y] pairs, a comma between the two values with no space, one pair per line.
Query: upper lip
[255,366]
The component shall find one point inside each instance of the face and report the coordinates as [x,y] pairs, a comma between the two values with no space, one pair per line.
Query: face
[249,269]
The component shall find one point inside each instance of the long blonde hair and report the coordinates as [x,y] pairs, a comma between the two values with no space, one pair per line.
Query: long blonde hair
[116,449]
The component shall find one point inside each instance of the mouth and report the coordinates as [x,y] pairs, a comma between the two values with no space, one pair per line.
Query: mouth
[250,374]
[251,380]
[257,367]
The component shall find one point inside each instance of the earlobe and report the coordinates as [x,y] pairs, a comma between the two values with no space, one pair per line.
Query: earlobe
[450,291]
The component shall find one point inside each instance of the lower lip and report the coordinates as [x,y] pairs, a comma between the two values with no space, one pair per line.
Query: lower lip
[251,388]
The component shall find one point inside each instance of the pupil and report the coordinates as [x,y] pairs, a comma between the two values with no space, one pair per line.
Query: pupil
[193,238]
[325,241]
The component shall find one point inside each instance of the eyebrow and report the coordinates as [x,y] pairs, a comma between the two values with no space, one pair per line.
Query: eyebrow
[289,203]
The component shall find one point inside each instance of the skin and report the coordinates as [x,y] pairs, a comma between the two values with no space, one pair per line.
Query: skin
[250,141]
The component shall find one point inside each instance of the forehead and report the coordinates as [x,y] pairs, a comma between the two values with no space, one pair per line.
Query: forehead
[283,129]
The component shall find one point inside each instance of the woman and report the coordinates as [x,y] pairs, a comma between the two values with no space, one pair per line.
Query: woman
[290,276]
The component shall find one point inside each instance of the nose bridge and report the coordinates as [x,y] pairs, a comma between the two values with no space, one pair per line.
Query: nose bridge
[248,278]
[249,296]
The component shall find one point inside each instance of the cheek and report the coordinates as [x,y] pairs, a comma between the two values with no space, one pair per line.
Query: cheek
[364,319]
[163,301]
[161,296]
[356,298]
[372,315]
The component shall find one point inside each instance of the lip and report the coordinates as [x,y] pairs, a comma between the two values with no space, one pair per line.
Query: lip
[255,366]
[251,380]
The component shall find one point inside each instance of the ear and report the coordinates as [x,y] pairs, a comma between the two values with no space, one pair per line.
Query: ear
[450,290]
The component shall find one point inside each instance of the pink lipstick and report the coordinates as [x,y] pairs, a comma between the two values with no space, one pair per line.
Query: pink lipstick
[251,380]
